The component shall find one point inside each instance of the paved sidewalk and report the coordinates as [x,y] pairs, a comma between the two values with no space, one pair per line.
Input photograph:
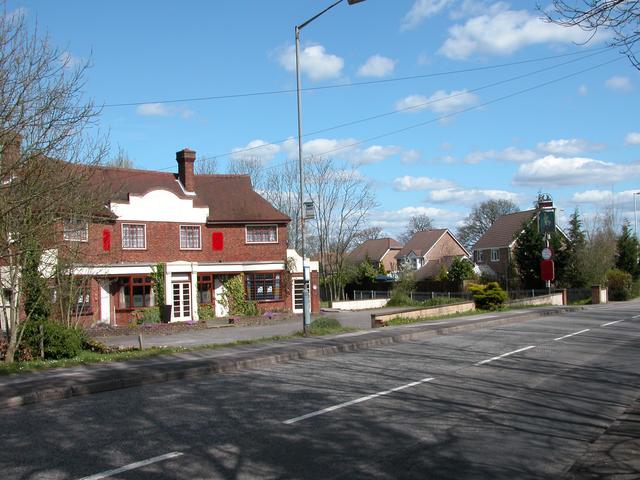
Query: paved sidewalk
[360,320]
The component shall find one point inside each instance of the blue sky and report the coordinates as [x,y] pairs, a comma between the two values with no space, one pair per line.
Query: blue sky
[498,104]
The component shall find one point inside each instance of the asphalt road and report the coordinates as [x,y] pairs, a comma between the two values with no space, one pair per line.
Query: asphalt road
[518,401]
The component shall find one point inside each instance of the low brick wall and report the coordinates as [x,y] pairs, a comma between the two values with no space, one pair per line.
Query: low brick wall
[360,304]
[553,299]
[381,320]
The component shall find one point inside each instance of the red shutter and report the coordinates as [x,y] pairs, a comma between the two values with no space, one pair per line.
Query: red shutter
[106,240]
[217,241]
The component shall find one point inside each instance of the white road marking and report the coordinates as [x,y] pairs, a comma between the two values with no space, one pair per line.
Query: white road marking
[504,355]
[572,334]
[132,466]
[353,402]
[611,323]
[637,316]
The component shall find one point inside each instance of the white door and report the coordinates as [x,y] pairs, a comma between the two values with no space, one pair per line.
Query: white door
[182,301]
[221,310]
[105,302]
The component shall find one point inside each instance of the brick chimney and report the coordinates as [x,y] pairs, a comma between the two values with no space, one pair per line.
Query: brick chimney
[185,159]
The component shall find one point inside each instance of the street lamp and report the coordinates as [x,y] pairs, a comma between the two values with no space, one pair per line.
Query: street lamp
[635,215]
[306,315]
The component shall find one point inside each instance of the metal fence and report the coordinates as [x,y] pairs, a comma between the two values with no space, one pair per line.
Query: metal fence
[574,295]
[417,296]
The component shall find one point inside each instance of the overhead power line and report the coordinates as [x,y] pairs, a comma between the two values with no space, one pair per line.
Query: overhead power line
[415,107]
[345,85]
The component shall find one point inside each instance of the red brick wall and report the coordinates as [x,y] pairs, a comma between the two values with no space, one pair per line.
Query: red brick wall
[163,245]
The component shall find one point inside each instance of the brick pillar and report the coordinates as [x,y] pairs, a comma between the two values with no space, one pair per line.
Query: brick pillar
[595,294]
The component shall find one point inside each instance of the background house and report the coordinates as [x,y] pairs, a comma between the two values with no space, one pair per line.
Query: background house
[379,251]
[493,252]
[427,252]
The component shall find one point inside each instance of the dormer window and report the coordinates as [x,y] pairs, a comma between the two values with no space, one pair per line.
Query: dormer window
[75,230]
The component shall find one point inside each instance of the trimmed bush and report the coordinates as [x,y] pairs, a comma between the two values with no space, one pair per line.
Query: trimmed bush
[489,296]
[146,315]
[206,312]
[620,284]
[59,340]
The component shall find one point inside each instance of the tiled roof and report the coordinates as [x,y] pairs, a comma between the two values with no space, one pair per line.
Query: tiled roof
[422,242]
[504,230]
[374,249]
[230,198]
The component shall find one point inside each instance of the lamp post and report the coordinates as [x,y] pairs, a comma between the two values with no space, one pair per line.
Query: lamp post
[306,310]
[635,215]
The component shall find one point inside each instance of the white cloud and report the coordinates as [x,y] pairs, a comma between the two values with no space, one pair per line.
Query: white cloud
[407,183]
[473,8]
[394,221]
[502,32]
[439,102]
[421,10]
[377,66]
[374,154]
[509,154]
[583,90]
[319,147]
[410,156]
[69,60]
[619,83]
[469,197]
[315,62]
[153,110]
[568,146]
[162,110]
[256,149]
[632,138]
[592,196]
[556,171]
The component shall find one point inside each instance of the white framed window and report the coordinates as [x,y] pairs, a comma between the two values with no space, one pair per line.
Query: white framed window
[495,255]
[262,234]
[134,236]
[190,237]
[479,255]
[75,230]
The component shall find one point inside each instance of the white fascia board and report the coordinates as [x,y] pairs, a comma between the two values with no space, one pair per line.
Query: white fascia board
[179,267]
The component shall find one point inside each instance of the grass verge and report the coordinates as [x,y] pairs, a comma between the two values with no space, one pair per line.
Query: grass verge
[319,327]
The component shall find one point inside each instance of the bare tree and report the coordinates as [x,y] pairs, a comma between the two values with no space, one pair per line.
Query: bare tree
[481,218]
[622,17]
[206,165]
[252,166]
[417,223]
[45,153]
[343,200]
[281,189]
[121,159]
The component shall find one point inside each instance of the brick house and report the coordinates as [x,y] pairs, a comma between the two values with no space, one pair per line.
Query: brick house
[379,251]
[204,228]
[493,252]
[430,250]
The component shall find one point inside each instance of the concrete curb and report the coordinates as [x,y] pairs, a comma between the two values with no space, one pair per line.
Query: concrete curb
[176,367]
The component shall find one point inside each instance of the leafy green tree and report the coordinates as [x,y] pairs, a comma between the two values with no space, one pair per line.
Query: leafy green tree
[366,274]
[37,298]
[459,271]
[575,274]
[527,255]
[627,252]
